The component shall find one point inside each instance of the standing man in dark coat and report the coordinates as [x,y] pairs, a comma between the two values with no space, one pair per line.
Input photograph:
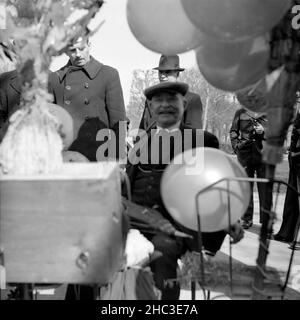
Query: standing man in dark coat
[168,70]
[291,211]
[166,99]
[246,135]
[91,92]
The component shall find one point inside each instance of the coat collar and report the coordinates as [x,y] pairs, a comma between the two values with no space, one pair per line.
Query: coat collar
[144,136]
[173,128]
[91,69]
[178,126]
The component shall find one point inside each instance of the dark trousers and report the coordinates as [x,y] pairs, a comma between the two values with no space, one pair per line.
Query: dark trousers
[79,292]
[291,205]
[259,170]
[164,268]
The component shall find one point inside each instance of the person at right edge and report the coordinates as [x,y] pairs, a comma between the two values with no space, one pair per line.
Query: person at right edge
[247,134]
[290,218]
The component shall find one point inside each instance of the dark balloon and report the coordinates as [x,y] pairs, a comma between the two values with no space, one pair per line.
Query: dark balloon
[235,20]
[220,54]
[237,66]
[162,26]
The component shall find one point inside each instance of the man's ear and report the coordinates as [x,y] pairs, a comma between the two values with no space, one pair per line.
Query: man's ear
[184,103]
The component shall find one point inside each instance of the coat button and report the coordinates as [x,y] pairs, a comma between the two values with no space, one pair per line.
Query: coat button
[67,102]
[68,87]
[88,135]
[86,85]
[86,101]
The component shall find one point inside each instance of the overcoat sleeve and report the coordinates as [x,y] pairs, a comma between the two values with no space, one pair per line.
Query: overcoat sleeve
[114,99]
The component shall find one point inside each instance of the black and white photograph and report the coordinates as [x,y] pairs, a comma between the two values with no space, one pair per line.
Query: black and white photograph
[149,150]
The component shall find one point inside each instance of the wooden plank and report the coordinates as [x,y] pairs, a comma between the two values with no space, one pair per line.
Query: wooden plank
[47,225]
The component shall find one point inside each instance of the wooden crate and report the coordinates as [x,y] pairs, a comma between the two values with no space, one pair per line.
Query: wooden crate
[63,228]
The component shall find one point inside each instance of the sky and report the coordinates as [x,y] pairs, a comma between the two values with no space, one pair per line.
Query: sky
[115,45]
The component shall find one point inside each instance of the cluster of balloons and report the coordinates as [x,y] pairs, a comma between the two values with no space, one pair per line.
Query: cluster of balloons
[230,37]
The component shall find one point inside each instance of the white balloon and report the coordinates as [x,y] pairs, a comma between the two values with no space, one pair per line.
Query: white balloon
[66,121]
[182,182]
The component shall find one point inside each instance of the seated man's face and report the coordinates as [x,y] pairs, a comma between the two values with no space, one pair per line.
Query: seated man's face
[168,108]
[79,53]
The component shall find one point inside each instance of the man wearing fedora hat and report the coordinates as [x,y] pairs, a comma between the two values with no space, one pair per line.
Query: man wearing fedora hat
[168,70]
[167,102]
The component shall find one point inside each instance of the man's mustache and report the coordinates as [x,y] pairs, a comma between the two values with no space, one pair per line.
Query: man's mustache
[169,109]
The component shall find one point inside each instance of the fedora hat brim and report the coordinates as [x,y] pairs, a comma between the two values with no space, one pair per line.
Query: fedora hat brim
[169,62]
[167,69]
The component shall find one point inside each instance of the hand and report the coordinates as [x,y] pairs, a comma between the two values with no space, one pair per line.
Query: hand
[236,232]
[74,156]
[259,129]
[138,248]
[294,154]
[241,144]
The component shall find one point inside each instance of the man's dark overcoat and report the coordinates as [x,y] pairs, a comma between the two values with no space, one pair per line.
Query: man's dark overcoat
[90,92]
